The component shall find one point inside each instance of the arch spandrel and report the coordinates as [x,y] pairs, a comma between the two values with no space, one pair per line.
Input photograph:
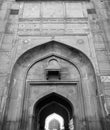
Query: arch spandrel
[72,43]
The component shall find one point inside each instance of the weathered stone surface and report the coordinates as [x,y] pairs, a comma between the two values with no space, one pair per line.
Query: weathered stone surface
[83,26]
[64,28]
[53,10]
[11,28]
[5,60]
[7,42]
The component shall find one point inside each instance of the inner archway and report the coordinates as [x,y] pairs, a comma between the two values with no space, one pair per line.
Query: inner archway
[52,105]
[54,121]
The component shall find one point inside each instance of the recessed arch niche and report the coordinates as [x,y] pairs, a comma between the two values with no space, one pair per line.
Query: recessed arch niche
[19,88]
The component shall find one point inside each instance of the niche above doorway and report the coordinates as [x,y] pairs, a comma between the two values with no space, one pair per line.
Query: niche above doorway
[53,70]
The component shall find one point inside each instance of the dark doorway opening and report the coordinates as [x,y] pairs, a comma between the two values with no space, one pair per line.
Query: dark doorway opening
[52,103]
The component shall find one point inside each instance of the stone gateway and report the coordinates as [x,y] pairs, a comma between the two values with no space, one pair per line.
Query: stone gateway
[55,65]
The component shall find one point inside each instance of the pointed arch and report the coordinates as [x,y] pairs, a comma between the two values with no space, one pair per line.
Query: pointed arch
[52,117]
[17,89]
[49,104]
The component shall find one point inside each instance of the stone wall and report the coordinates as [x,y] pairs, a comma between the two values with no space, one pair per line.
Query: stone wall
[85,26]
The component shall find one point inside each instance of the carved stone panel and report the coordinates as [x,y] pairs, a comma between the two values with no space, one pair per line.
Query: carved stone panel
[52,29]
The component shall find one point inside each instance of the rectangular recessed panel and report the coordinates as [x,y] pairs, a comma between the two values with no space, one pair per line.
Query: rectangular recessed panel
[52,9]
[102,56]
[31,10]
[91,11]
[104,66]
[14,12]
[74,10]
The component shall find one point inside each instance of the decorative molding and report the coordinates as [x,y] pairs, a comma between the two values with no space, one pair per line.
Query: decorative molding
[52,82]
[105,78]
[51,29]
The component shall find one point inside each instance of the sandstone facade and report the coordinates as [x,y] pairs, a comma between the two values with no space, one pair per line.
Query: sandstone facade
[76,36]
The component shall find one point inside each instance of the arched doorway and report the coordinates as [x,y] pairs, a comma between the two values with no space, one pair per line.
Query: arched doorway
[57,69]
[52,103]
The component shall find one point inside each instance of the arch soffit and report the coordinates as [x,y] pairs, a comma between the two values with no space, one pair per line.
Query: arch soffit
[69,110]
[47,95]
[62,106]
[43,95]
[59,104]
